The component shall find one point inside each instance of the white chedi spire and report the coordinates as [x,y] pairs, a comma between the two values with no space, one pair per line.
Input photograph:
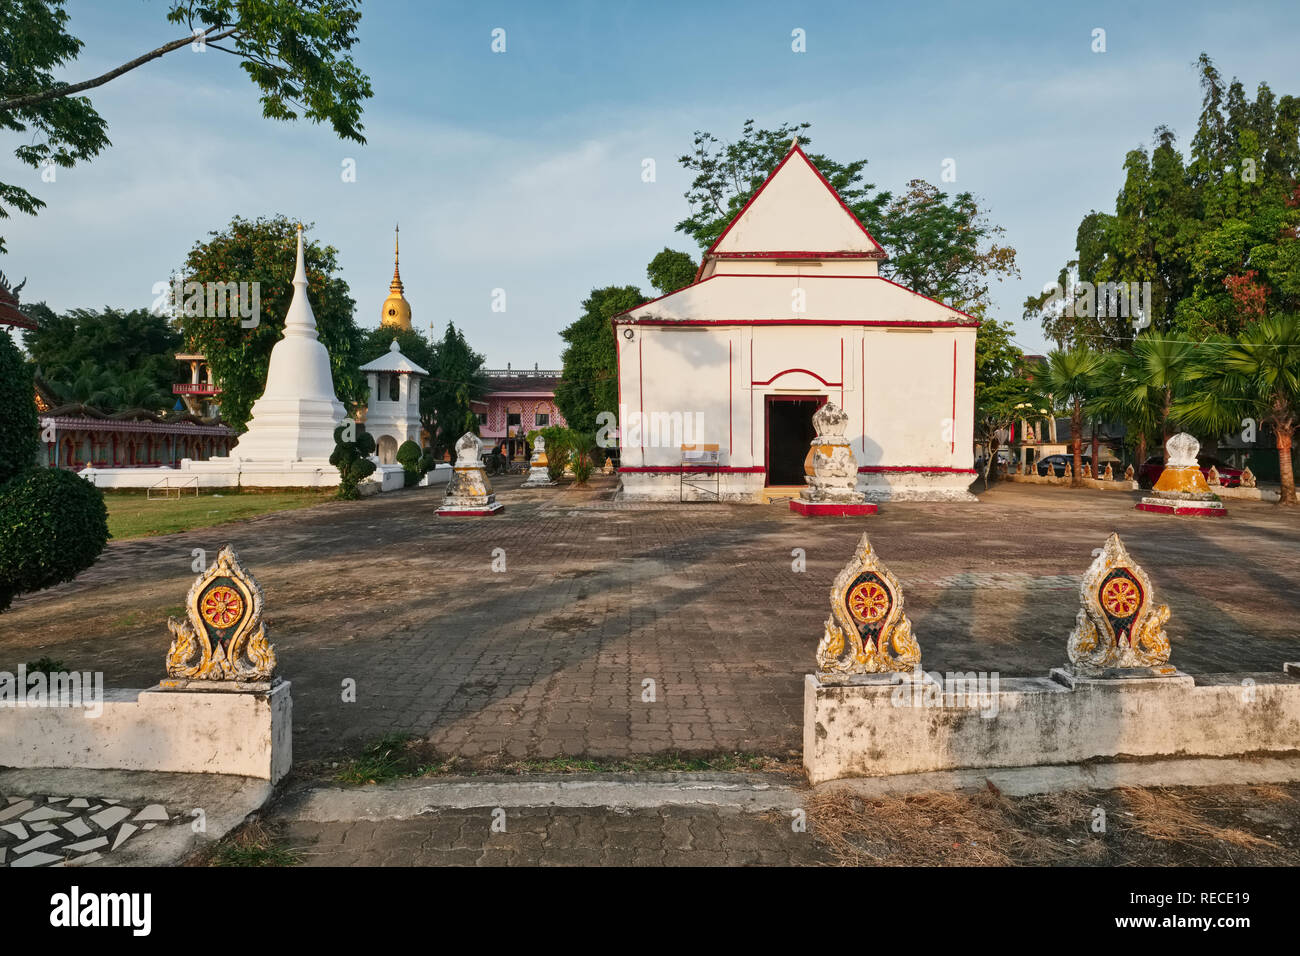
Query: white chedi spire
[300,320]
[298,411]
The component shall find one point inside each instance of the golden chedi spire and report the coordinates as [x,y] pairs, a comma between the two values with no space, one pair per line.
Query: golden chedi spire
[396,312]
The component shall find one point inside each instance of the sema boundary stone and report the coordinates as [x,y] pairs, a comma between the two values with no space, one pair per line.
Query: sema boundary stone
[869,730]
[248,734]
[830,470]
[469,493]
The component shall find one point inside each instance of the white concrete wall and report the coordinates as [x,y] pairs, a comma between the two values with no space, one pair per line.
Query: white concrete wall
[247,734]
[864,730]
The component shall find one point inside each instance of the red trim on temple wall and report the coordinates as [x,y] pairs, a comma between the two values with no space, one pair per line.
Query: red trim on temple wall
[953,450]
[862,387]
[675,469]
[838,384]
[853,323]
[880,469]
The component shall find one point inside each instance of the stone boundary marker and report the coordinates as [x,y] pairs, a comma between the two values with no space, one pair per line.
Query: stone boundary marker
[221,710]
[871,710]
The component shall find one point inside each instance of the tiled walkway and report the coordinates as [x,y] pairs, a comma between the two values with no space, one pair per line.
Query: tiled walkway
[45,830]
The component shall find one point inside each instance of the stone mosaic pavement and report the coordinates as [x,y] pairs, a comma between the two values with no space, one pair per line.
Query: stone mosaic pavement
[53,830]
[553,655]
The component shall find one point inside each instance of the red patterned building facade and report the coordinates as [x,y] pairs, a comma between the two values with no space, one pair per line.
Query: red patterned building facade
[517,402]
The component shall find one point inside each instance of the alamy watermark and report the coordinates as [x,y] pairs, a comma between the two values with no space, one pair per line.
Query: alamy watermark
[969,690]
[53,689]
[658,429]
[1111,300]
[210,300]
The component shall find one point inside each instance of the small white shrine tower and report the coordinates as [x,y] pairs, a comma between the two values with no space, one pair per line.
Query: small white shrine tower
[393,413]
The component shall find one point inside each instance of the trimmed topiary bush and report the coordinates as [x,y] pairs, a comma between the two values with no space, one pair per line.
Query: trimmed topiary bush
[408,456]
[53,525]
[352,459]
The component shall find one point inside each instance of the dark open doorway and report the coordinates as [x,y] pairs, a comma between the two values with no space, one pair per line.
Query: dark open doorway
[789,432]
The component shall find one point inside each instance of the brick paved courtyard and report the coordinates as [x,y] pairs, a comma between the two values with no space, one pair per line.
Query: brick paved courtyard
[550,657]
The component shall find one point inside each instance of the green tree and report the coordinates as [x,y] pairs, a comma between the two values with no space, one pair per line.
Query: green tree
[457,379]
[1215,233]
[19,429]
[296,52]
[1071,379]
[135,344]
[264,251]
[1141,387]
[671,270]
[589,382]
[1003,395]
[1256,376]
[53,525]
[944,247]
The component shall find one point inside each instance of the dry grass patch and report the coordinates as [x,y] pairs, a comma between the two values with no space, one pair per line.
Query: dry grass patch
[924,829]
[1174,816]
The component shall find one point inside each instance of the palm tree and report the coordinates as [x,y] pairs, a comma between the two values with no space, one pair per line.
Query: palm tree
[138,390]
[88,385]
[1072,379]
[1255,376]
[1141,387]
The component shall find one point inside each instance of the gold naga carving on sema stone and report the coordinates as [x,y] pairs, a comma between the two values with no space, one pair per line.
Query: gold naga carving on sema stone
[1119,624]
[224,637]
[867,632]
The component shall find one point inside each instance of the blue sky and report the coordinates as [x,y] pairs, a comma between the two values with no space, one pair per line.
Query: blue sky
[522,170]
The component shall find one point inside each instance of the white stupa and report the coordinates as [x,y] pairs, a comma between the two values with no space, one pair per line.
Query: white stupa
[290,436]
[295,418]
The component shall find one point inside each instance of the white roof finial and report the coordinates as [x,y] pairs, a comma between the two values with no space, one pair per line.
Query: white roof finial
[794,142]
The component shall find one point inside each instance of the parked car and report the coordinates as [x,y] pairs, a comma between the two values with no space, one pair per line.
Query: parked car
[1149,473]
[1057,464]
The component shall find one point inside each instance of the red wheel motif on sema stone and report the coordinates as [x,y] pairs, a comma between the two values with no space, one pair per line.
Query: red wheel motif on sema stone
[1121,597]
[869,602]
[222,607]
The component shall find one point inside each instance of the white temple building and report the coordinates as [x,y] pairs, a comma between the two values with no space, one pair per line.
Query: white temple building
[290,434]
[393,413]
[787,311]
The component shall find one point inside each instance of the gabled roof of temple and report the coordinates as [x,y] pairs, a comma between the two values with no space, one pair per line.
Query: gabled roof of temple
[796,213]
[394,361]
[10,314]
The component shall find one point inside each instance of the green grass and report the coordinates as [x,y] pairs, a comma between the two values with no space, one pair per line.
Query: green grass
[132,515]
[402,756]
[390,758]
[249,845]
